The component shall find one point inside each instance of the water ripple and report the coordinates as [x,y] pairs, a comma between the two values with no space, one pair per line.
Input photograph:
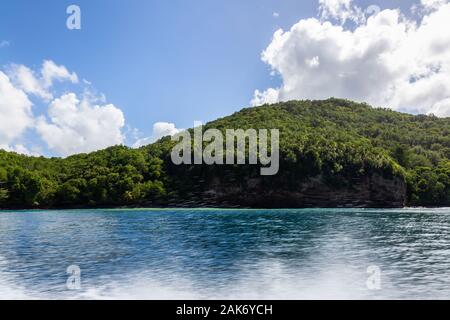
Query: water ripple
[226,254]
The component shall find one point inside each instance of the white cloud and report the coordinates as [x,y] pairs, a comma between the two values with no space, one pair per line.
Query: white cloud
[40,85]
[4,44]
[313,62]
[388,60]
[269,96]
[70,125]
[427,6]
[433,4]
[276,15]
[441,108]
[51,72]
[24,78]
[78,126]
[20,149]
[160,129]
[15,111]
[341,10]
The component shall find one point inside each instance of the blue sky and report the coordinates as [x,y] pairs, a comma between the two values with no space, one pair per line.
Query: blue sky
[157,60]
[174,61]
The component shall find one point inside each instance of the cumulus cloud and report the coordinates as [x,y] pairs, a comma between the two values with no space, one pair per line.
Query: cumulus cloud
[51,72]
[24,78]
[269,96]
[160,129]
[70,126]
[387,60]
[76,126]
[40,84]
[15,111]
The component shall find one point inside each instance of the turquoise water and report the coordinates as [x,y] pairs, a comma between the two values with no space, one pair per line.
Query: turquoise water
[226,254]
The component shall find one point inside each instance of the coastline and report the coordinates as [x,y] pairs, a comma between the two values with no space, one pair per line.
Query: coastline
[165,208]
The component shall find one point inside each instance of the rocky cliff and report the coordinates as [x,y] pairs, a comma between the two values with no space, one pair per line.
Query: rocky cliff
[374,191]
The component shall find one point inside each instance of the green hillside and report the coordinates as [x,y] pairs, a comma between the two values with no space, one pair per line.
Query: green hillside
[333,145]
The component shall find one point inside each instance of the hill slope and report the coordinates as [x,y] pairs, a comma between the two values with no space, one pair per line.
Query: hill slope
[332,153]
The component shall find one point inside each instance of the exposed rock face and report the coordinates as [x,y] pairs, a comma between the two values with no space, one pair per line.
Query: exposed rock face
[373,191]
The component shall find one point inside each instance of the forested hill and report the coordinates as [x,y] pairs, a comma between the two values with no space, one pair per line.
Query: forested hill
[333,153]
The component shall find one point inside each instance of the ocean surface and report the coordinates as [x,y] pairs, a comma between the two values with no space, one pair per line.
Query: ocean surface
[225,254]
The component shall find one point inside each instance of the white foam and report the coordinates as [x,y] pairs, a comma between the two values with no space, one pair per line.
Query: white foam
[9,290]
[271,280]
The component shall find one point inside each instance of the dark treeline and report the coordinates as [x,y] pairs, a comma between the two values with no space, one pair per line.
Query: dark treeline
[332,139]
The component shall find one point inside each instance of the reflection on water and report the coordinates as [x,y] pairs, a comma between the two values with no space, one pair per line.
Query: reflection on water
[226,254]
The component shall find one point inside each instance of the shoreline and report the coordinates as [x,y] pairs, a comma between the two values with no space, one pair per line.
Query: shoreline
[215,208]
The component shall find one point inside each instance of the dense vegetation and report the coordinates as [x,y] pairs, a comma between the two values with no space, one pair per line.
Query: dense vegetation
[332,138]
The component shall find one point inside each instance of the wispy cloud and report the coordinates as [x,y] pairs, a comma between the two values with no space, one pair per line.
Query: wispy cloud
[4,43]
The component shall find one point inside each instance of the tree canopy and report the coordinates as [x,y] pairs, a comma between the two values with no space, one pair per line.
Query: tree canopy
[333,139]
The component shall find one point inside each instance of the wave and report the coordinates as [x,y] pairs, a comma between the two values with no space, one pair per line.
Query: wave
[269,280]
[9,288]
